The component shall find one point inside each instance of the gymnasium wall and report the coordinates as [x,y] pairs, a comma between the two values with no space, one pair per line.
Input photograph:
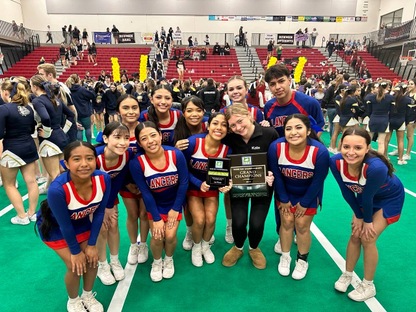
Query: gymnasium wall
[37,14]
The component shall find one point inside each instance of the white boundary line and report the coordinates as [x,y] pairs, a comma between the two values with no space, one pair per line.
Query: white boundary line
[119,296]
[372,303]
[395,146]
[10,207]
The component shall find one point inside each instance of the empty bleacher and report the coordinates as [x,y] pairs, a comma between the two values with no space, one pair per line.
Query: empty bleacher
[128,59]
[316,61]
[218,67]
[26,67]
[376,68]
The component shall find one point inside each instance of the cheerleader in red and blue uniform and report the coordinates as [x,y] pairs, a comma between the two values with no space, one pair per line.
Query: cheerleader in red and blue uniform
[113,158]
[70,220]
[192,122]
[376,197]
[161,174]
[162,114]
[129,112]
[238,92]
[202,197]
[300,164]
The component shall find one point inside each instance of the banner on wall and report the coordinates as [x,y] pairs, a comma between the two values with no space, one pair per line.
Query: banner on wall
[102,37]
[269,37]
[177,36]
[147,37]
[124,37]
[289,18]
[285,38]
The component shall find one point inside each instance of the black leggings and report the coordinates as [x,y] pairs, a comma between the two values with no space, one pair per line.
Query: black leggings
[239,209]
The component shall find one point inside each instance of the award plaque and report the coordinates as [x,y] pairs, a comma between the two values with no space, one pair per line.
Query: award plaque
[218,172]
[248,172]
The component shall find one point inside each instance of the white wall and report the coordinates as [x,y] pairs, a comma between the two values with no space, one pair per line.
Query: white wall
[387,6]
[36,17]
[11,10]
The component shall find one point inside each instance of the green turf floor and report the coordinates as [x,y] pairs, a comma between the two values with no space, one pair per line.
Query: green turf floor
[32,275]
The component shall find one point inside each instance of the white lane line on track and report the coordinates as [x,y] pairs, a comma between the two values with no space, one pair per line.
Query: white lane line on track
[373,304]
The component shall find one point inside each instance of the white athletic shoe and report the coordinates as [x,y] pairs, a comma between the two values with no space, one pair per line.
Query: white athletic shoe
[407,157]
[118,270]
[168,268]
[156,273]
[196,256]
[76,306]
[284,265]
[92,304]
[343,282]
[300,270]
[363,292]
[20,221]
[394,153]
[133,254]
[187,241]
[143,253]
[104,274]
[229,234]
[208,255]
[278,247]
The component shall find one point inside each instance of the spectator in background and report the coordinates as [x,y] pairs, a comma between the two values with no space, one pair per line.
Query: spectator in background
[313,36]
[206,40]
[187,54]
[42,60]
[115,33]
[240,36]
[330,47]
[298,35]
[70,33]
[270,48]
[75,35]
[211,97]
[64,34]
[279,51]
[190,42]
[84,37]
[216,49]
[203,54]
[178,34]
[22,31]
[49,35]
[227,49]
[15,29]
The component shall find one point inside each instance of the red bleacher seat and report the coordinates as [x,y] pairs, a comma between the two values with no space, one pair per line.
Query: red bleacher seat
[218,67]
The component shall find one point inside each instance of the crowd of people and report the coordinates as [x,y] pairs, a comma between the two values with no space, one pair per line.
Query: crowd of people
[154,141]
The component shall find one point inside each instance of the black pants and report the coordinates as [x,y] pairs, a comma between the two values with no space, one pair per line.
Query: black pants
[258,213]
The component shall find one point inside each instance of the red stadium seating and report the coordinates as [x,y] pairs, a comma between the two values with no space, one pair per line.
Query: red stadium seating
[218,67]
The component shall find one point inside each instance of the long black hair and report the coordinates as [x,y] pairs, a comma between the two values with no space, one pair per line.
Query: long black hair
[181,129]
[152,111]
[306,121]
[45,211]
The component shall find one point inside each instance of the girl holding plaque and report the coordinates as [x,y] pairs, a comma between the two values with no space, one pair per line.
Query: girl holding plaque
[203,197]
[248,137]
[298,186]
